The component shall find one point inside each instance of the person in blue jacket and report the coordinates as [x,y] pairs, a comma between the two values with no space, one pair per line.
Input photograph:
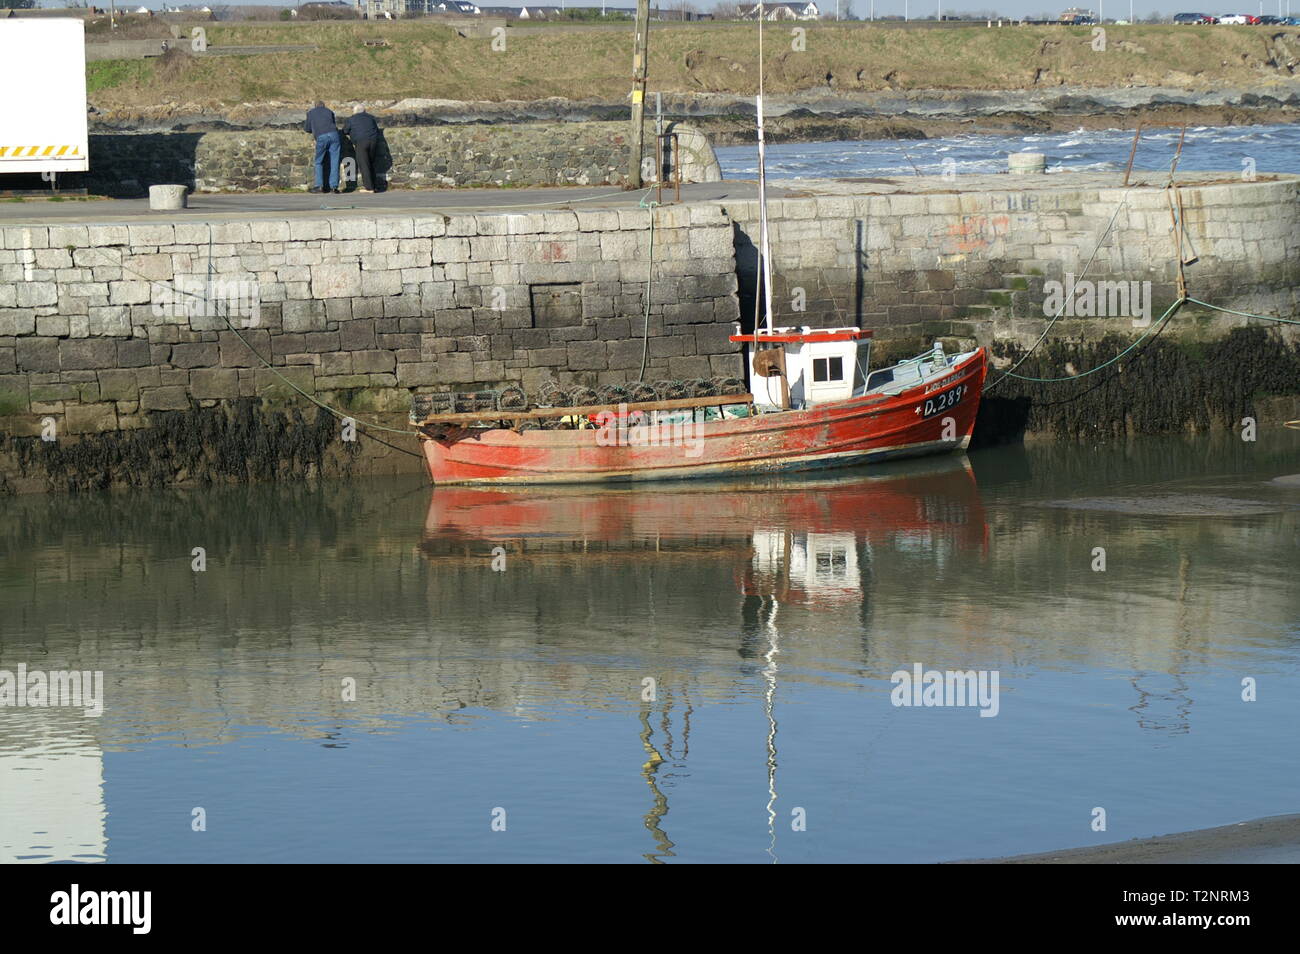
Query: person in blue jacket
[321,124]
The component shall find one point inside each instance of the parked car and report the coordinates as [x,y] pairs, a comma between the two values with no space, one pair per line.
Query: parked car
[1267,20]
[1234,19]
[1187,19]
[1291,21]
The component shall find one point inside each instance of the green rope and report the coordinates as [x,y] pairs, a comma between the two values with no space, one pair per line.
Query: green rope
[1243,314]
[1152,330]
[1060,311]
[645,203]
[1083,374]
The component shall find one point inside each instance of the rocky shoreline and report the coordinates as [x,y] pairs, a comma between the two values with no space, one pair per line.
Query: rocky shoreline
[812,116]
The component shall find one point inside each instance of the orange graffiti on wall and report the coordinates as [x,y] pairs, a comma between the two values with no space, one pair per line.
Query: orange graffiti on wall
[555,252]
[975,232]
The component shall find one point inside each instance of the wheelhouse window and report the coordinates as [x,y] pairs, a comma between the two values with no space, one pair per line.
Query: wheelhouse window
[828,369]
[832,564]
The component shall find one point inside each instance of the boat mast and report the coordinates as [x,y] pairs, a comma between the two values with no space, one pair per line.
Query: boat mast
[764,252]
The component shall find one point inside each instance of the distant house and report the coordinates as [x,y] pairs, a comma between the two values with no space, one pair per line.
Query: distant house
[781,11]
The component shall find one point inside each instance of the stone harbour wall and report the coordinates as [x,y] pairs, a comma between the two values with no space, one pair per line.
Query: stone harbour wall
[972,264]
[583,154]
[358,310]
[109,330]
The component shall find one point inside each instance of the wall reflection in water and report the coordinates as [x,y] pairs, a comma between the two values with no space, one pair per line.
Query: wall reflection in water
[769,594]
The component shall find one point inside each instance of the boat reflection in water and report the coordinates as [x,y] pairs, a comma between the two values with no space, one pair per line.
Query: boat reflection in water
[792,545]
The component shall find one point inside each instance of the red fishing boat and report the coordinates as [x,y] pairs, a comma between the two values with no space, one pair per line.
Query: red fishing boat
[812,403]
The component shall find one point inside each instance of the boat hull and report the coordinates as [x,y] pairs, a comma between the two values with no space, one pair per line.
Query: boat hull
[934,417]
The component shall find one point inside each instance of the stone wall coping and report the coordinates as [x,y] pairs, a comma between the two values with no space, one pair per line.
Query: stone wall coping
[831,197]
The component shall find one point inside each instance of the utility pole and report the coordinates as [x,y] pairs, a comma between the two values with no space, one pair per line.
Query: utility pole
[640,52]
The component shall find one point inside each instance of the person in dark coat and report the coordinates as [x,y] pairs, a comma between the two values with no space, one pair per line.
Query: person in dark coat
[322,124]
[363,130]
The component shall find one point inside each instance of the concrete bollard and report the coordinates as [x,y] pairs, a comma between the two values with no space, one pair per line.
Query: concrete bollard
[165,197]
[1027,163]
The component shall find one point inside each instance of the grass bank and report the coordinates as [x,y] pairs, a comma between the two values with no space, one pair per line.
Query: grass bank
[424,59]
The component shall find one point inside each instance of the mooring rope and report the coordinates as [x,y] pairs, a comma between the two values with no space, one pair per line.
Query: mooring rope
[645,203]
[1243,314]
[270,367]
[172,289]
[1065,300]
[1083,374]
[1149,332]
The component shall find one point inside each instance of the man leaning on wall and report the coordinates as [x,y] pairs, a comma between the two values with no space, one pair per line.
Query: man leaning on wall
[322,125]
[363,130]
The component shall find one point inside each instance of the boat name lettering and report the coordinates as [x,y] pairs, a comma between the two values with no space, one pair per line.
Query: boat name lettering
[939,385]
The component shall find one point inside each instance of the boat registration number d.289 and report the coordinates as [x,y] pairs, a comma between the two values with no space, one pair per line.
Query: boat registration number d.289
[943,401]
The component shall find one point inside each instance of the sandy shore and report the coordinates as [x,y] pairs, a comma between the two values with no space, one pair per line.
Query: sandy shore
[1272,840]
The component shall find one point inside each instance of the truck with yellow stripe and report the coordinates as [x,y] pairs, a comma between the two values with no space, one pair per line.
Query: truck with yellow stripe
[43,107]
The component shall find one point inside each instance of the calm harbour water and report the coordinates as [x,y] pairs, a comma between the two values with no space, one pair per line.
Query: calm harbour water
[770,616]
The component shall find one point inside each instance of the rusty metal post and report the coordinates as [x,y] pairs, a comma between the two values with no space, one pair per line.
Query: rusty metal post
[659,168]
[677,165]
[1132,153]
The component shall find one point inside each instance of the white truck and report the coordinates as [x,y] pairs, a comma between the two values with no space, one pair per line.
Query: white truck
[43,107]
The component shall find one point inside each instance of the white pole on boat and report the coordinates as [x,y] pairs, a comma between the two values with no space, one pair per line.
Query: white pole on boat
[764,251]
